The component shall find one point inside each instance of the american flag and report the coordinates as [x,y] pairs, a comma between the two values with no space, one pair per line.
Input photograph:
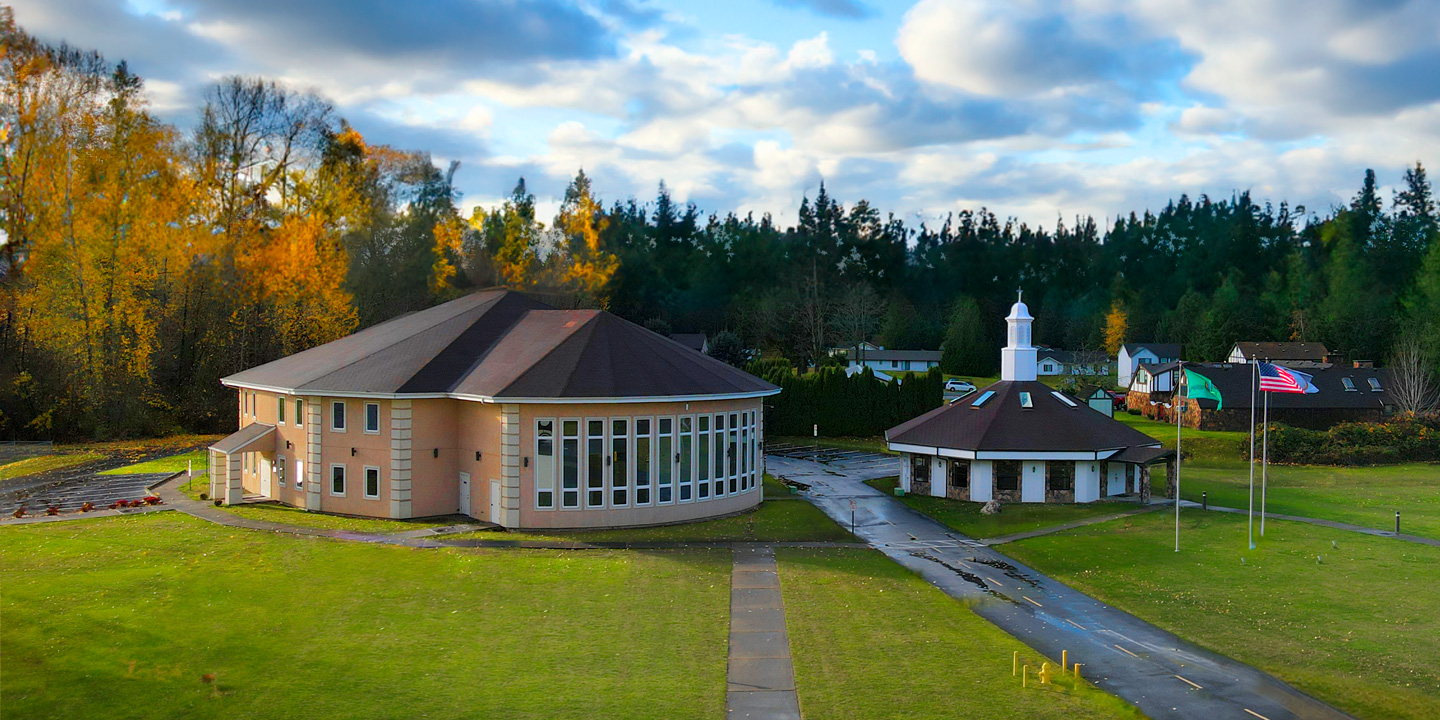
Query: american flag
[1274,378]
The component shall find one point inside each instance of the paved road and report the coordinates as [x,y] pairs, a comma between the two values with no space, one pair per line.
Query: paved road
[1161,674]
[69,488]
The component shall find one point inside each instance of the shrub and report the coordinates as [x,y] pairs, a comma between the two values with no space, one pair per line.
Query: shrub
[1356,443]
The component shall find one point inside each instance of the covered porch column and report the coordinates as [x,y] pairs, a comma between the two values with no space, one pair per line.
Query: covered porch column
[225,457]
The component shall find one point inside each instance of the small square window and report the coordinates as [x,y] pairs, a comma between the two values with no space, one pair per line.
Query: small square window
[1374,384]
[1348,383]
[337,480]
[372,417]
[1025,401]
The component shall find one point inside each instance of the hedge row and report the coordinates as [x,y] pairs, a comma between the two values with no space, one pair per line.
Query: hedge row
[1357,443]
[861,405]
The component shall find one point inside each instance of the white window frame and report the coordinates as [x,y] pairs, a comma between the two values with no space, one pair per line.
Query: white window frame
[365,421]
[705,456]
[670,460]
[299,412]
[603,488]
[538,473]
[344,419]
[634,466]
[717,453]
[365,482]
[280,470]
[688,479]
[344,480]
[579,438]
[280,401]
[627,484]
[732,450]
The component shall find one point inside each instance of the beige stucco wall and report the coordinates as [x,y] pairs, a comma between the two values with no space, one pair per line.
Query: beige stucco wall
[444,437]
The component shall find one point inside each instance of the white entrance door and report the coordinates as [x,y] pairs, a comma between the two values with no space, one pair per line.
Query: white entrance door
[264,476]
[495,501]
[464,493]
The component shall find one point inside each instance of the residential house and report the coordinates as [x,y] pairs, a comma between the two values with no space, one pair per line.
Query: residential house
[1290,354]
[1132,355]
[1072,362]
[895,360]
[1345,394]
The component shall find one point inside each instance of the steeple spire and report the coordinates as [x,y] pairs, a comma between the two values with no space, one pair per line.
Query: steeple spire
[1017,360]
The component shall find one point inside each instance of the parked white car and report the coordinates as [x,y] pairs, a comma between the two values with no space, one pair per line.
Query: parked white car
[956,385]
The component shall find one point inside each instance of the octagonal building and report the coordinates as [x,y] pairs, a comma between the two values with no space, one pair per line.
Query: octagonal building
[500,407]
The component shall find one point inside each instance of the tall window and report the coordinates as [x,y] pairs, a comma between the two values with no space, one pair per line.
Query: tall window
[595,463]
[372,482]
[280,469]
[642,461]
[545,464]
[719,455]
[665,460]
[1007,475]
[280,410]
[745,453]
[703,461]
[372,417]
[732,449]
[337,480]
[620,470]
[337,416]
[570,464]
[299,412]
[687,477]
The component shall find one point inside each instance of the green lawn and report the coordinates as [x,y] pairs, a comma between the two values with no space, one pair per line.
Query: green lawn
[44,463]
[121,617]
[271,512]
[872,640]
[197,459]
[781,520]
[1359,627]
[869,444]
[965,517]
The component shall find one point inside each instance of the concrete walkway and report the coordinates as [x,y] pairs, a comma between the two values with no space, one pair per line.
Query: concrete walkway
[1163,675]
[761,679]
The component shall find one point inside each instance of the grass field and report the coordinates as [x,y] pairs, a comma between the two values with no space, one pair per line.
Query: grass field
[871,444]
[1367,496]
[1356,623]
[869,639]
[121,618]
[779,520]
[171,464]
[269,512]
[965,517]
[44,463]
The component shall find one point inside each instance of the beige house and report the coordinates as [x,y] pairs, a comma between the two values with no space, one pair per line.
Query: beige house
[502,408]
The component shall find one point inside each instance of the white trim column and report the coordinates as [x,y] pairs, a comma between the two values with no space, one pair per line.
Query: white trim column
[234,491]
[510,465]
[314,473]
[401,419]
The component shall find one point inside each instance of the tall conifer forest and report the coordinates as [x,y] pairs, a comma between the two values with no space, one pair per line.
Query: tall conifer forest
[142,261]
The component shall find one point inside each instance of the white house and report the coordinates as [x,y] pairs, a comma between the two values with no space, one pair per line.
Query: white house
[1019,440]
[1071,362]
[1149,378]
[1132,355]
[895,360]
[1283,353]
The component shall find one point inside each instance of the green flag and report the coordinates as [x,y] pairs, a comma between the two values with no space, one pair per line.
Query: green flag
[1198,386]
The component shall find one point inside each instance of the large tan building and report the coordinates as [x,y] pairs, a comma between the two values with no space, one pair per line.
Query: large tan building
[502,408]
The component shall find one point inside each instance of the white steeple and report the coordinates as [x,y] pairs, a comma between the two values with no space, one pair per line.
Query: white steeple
[1017,360]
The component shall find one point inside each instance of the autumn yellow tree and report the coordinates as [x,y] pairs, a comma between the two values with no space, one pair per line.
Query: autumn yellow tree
[1117,325]
[585,266]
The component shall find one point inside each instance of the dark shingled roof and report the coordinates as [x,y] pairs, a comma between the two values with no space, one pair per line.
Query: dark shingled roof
[1164,350]
[1276,351]
[694,341]
[502,344]
[1001,424]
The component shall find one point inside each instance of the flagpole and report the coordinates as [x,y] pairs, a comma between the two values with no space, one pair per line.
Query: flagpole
[1179,409]
[1253,370]
[1264,461]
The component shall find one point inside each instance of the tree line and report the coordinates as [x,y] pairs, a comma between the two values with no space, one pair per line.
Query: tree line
[143,261]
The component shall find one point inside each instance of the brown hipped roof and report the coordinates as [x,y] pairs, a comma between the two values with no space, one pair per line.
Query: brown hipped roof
[1001,424]
[501,344]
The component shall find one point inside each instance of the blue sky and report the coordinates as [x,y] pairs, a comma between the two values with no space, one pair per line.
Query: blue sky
[1037,110]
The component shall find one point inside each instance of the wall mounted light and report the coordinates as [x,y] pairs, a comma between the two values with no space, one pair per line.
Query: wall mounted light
[477,456]
[352,452]
[526,461]
[287,444]
[436,453]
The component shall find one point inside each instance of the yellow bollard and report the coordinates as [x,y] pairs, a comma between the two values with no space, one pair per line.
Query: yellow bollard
[1077,670]
[1025,677]
[1064,660]
[1015,663]
[1045,673]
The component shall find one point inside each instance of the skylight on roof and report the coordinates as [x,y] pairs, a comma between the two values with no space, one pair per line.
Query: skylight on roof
[1348,383]
[1061,397]
[984,398]
[1374,384]
[1025,401]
